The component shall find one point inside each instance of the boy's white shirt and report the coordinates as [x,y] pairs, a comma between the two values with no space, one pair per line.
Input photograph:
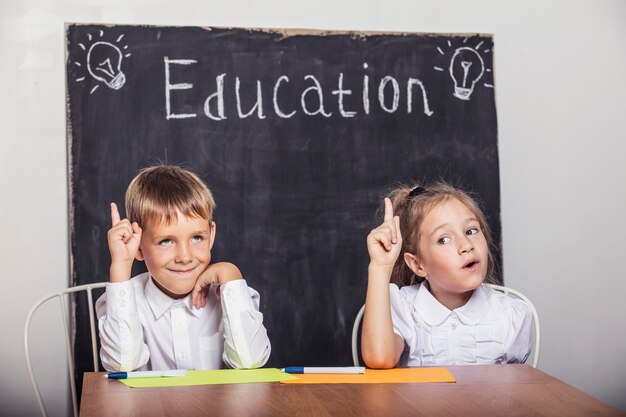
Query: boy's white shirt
[141,328]
[490,328]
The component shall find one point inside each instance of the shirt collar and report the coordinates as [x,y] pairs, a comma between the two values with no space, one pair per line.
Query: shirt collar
[476,308]
[435,313]
[160,302]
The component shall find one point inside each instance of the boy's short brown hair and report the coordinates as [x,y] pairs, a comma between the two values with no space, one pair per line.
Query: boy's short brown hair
[157,193]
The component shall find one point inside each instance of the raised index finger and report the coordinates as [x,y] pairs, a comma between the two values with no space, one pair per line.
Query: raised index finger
[115,215]
[388,209]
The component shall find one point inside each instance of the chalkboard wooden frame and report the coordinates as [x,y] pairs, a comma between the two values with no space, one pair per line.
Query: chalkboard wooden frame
[298,174]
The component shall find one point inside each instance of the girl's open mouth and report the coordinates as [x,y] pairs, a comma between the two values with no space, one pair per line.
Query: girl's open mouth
[471,264]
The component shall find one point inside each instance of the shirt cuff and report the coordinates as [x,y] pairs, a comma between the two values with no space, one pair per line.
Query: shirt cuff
[236,296]
[120,298]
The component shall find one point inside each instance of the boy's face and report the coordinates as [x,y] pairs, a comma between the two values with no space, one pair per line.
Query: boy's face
[177,253]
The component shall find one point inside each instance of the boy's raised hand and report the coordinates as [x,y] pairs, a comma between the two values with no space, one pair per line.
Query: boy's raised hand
[385,242]
[124,239]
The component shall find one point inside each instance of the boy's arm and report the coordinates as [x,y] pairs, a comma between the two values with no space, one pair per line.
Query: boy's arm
[246,344]
[121,333]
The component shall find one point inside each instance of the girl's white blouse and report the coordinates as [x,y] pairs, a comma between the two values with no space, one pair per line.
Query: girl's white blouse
[491,328]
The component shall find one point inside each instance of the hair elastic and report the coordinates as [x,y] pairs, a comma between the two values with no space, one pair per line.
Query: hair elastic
[415,191]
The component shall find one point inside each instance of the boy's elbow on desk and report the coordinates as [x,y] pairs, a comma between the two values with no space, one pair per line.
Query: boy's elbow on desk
[235,361]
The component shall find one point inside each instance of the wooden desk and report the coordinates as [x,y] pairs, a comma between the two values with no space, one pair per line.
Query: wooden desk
[484,390]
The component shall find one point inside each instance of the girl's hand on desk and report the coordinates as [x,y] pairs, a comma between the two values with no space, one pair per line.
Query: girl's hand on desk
[385,242]
[219,273]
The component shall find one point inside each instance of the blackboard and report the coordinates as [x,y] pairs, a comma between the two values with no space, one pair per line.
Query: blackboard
[299,134]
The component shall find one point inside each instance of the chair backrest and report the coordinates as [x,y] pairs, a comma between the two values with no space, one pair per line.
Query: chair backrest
[533,359]
[64,311]
[355,336]
[534,354]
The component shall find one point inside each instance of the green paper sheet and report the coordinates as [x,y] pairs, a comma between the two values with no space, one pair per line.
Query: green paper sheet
[220,376]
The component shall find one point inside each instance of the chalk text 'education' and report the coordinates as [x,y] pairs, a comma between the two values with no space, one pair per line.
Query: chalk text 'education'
[312,98]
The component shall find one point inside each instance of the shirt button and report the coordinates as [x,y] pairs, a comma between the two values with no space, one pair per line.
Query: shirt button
[122,293]
[453,325]
[182,355]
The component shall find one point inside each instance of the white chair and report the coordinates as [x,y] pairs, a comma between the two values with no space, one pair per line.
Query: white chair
[355,336]
[533,359]
[65,313]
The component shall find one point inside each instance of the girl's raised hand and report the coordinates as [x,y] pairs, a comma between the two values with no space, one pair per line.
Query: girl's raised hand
[385,242]
[124,239]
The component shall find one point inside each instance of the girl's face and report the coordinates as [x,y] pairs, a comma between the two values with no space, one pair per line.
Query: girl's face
[453,253]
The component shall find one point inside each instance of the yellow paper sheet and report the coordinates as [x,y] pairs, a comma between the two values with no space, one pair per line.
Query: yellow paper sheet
[220,376]
[377,376]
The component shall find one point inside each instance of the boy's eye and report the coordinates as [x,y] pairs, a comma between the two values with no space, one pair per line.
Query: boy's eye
[197,238]
[443,240]
[165,242]
[472,231]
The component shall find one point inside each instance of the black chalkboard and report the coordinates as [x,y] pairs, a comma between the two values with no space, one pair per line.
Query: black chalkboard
[298,174]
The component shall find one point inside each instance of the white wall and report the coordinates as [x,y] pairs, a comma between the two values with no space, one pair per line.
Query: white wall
[560,98]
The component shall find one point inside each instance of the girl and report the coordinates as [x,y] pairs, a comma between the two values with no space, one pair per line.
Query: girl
[436,311]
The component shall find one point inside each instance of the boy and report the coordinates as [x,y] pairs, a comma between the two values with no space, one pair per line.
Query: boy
[183,313]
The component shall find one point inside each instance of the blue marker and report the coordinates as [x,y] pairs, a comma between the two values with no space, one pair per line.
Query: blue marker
[146,374]
[324,370]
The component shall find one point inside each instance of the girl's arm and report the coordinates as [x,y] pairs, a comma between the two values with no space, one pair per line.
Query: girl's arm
[380,346]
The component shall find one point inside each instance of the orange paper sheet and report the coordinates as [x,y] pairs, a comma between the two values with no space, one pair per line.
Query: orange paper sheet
[378,376]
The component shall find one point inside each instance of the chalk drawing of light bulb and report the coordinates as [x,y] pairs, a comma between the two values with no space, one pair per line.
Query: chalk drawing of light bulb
[104,61]
[466,68]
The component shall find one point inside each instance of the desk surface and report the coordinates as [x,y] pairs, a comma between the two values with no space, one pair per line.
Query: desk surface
[480,390]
